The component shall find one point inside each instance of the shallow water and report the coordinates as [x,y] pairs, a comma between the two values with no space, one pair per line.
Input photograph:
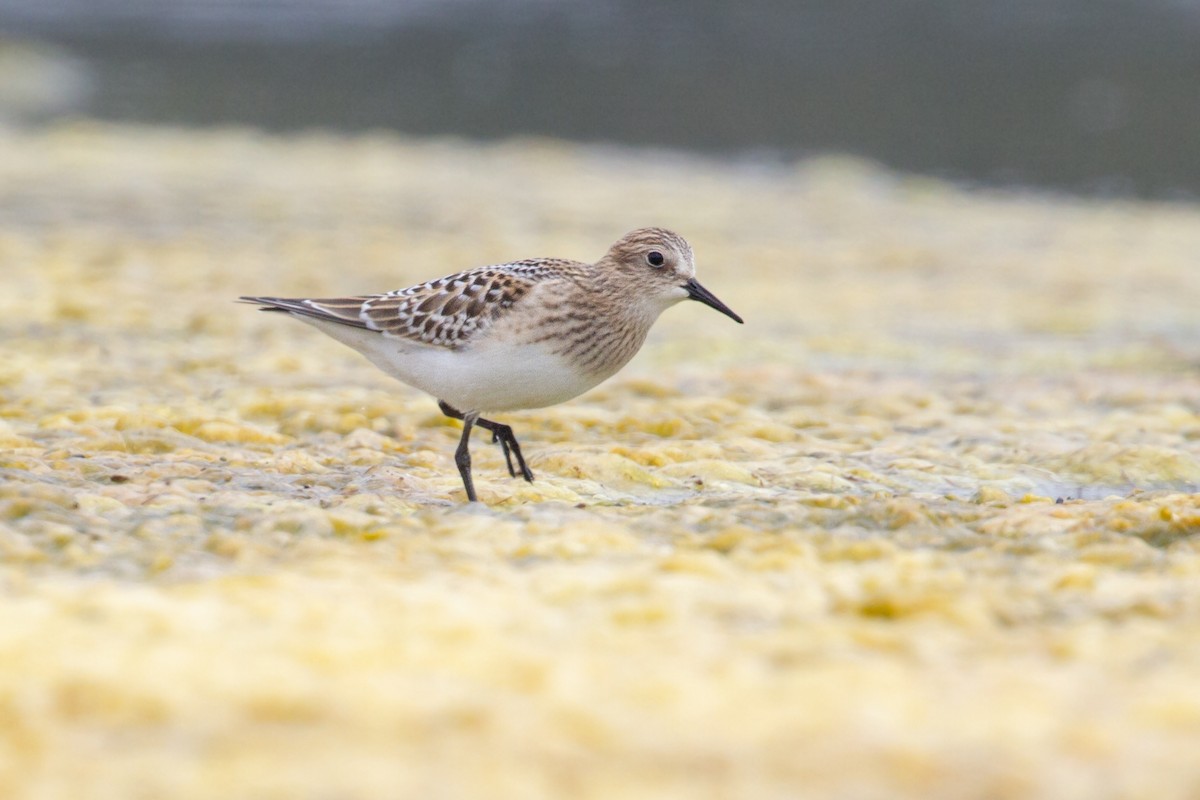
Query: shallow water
[1079,95]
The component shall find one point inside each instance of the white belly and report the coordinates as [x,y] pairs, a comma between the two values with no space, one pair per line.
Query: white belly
[489,376]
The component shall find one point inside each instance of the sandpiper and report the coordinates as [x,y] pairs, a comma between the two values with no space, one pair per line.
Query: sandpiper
[528,334]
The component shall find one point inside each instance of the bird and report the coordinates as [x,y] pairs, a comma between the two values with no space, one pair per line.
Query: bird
[521,335]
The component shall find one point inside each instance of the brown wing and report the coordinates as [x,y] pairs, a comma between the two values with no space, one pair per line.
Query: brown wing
[446,312]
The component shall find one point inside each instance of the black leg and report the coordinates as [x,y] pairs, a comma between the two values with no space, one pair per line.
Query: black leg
[508,443]
[462,457]
[502,434]
[449,410]
[503,448]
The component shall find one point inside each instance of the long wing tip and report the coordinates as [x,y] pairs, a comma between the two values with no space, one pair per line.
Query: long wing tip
[266,303]
[325,310]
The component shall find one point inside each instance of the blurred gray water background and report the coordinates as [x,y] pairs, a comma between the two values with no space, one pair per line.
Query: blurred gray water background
[1090,96]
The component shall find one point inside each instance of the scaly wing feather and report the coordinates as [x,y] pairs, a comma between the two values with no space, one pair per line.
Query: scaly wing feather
[446,312]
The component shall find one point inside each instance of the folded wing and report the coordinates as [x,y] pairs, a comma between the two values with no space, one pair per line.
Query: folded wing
[445,312]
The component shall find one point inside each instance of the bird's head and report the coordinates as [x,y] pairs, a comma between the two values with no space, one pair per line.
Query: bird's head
[658,267]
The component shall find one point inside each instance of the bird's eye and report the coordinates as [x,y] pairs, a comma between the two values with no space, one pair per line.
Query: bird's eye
[655,258]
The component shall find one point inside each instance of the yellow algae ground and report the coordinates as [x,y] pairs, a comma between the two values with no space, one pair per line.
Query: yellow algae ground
[815,556]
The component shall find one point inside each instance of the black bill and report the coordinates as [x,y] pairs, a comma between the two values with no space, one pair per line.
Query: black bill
[697,292]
